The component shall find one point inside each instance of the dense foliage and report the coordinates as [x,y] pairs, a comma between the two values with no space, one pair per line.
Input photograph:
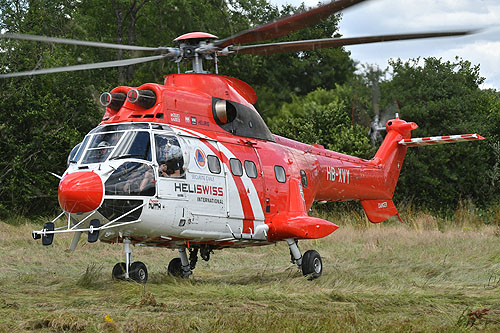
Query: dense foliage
[444,97]
[320,117]
[43,117]
[311,96]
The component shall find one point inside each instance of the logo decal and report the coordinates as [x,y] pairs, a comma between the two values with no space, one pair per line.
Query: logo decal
[200,158]
[175,117]
[382,205]
[154,204]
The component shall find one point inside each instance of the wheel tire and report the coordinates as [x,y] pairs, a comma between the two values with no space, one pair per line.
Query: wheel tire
[312,266]
[175,267]
[119,271]
[138,272]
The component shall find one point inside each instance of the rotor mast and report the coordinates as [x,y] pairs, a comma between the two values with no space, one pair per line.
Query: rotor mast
[196,46]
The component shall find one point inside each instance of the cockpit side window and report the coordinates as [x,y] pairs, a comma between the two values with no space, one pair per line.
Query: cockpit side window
[169,156]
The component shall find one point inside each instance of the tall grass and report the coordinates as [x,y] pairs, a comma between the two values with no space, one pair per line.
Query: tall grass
[426,274]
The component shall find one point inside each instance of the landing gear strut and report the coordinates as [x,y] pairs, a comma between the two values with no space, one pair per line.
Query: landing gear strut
[136,271]
[310,264]
[182,267]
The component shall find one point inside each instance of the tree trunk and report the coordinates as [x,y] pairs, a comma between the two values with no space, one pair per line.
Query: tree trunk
[126,73]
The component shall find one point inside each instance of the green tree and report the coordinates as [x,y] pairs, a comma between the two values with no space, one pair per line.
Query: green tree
[443,97]
[321,117]
[43,117]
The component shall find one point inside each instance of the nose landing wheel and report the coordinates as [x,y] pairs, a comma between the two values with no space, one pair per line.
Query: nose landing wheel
[119,271]
[138,272]
[135,271]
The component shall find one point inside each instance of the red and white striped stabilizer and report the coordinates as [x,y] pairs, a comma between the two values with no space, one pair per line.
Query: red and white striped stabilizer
[439,140]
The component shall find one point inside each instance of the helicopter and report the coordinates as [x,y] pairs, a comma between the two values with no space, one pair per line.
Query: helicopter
[190,164]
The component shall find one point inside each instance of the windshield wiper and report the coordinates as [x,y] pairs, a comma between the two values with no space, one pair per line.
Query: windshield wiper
[125,156]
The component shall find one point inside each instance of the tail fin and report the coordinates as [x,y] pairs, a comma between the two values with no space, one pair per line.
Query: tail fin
[390,157]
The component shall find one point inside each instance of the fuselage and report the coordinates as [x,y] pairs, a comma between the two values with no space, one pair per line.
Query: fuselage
[180,172]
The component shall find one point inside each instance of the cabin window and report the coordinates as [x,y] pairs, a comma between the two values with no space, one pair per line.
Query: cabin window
[280,174]
[82,149]
[169,156]
[236,167]
[250,169]
[213,164]
[303,178]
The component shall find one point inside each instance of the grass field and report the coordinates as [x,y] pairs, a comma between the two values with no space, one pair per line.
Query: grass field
[424,275]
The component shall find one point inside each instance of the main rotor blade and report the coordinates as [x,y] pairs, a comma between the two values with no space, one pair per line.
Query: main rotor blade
[312,44]
[77,42]
[115,63]
[286,25]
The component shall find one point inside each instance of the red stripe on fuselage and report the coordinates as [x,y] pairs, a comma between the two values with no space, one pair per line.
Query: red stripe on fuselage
[249,217]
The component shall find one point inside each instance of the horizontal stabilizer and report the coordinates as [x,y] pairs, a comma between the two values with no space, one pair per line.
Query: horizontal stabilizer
[439,140]
[379,210]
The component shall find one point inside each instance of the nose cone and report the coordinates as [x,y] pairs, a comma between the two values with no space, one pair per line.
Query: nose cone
[80,192]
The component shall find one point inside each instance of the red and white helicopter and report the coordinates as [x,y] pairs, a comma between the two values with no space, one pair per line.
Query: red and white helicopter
[190,164]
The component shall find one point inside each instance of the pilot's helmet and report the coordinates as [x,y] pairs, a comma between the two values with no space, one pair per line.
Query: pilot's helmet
[103,144]
[174,152]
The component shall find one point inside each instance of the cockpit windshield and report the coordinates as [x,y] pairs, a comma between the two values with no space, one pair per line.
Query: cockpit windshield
[133,145]
[117,145]
[100,147]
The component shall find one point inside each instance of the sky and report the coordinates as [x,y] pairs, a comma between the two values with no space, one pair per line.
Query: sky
[378,17]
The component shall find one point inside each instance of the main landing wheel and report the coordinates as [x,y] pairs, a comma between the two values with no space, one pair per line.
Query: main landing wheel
[138,272]
[119,271]
[312,265]
[175,267]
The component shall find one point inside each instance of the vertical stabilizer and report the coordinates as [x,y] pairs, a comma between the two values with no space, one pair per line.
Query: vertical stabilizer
[390,158]
[390,155]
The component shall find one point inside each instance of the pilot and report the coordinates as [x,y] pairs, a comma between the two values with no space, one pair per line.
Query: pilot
[175,162]
[163,169]
[103,151]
